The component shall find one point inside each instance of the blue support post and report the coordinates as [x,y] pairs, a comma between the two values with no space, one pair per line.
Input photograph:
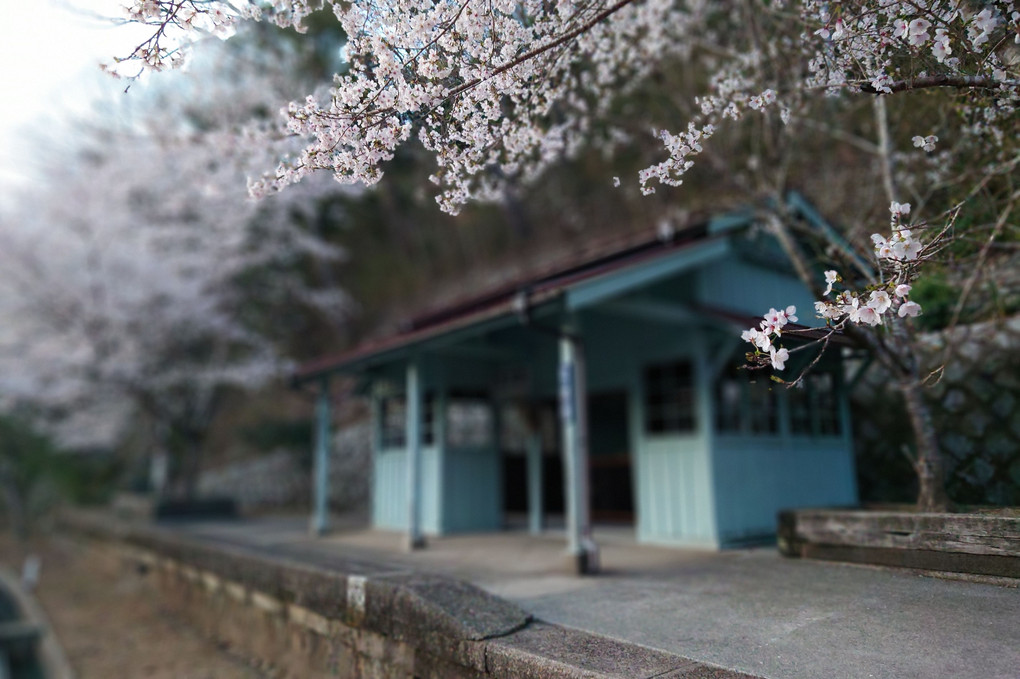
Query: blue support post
[574,416]
[415,538]
[320,485]
[535,509]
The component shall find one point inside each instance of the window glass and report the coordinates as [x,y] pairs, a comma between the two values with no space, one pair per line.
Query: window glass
[824,398]
[468,422]
[745,402]
[669,398]
[799,398]
[515,430]
[814,408]
[764,411]
[393,418]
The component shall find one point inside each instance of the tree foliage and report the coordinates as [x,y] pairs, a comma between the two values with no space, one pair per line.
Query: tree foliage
[498,91]
[139,281]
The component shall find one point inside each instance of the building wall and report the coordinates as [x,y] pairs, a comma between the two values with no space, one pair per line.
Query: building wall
[755,477]
[692,488]
[473,495]
[389,489]
[672,475]
[461,486]
[744,287]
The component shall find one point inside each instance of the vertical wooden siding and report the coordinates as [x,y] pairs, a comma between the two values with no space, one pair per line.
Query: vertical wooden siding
[389,489]
[674,492]
[672,473]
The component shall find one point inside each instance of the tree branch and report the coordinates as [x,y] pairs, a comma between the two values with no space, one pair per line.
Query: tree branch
[583,28]
[963,82]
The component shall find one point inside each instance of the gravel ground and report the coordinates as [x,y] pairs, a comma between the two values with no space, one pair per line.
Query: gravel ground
[110,626]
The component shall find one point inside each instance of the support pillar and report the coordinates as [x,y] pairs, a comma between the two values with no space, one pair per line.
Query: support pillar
[574,417]
[415,537]
[320,478]
[536,510]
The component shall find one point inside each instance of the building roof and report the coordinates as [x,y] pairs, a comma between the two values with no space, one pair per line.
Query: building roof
[502,304]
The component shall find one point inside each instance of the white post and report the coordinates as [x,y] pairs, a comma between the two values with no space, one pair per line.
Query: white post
[415,538]
[320,485]
[574,416]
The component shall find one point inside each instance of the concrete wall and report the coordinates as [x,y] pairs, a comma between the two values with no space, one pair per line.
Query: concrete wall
[364,620]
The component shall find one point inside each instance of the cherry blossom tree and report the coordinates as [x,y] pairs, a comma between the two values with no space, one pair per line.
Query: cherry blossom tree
[499,90]
[124,271]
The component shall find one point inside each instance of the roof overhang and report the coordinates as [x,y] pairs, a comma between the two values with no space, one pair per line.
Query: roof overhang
[578,285]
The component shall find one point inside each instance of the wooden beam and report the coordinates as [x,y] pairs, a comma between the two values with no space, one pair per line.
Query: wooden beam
[476,351]
[657,311]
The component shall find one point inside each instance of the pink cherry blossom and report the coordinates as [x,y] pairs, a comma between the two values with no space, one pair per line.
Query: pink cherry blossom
[830,279]
[879,301]
[918,32]
[909,309]
[779,357]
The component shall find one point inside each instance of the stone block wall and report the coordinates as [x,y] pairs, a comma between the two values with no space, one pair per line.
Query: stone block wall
[274,480]
[975,399]
[283,478]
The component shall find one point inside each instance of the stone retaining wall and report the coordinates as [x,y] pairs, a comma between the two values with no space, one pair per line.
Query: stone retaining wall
[975,404]
[367,620]
[283,478]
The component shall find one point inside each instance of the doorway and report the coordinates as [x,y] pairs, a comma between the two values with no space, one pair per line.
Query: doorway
[612,493]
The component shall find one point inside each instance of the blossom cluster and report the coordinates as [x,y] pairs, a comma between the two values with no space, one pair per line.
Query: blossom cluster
[851,305]
[900,252]
[878,44]
[499,90]
[762,337]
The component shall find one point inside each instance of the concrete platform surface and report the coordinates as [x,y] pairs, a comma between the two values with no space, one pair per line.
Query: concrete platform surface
[748,610]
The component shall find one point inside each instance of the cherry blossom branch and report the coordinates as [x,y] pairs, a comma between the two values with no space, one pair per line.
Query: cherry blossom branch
[969,82]
[982,258]
[527,56]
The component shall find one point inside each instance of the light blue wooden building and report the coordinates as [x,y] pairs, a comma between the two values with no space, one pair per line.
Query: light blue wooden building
[614,376]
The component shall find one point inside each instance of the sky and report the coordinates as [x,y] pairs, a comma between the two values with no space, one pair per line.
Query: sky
[49,56]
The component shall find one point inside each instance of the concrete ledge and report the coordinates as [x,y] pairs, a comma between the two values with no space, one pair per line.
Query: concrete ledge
[543,651]
[975,544]
[50,653]
[369,621]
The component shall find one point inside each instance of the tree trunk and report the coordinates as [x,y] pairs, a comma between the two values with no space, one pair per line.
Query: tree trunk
[898,354]
[16,511]
[931,492]
[191,466]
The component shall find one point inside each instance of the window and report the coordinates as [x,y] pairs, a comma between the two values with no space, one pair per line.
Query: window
[746,402]
[729,406]
[799,398]
[515,428]
[669,398]
[469,422]
[814,407]
[393,420]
